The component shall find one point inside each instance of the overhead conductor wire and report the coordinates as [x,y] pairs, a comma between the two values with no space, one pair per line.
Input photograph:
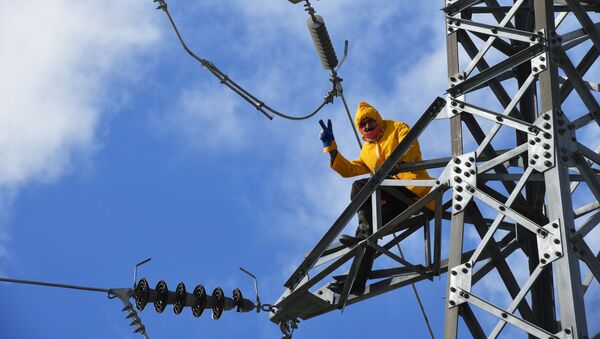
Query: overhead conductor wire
[239,90]
[326,52]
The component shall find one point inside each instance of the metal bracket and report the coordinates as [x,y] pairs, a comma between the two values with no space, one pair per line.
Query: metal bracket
[124,294]
[550,247]
[460,282]
[541,146]
[567,139]
[454,105]
[463,175]
[539,64]
[456,79]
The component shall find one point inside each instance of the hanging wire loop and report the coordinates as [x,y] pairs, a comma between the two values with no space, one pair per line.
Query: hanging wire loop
[236,88]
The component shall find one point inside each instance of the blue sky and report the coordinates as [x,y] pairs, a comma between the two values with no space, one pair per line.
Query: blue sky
[115,147]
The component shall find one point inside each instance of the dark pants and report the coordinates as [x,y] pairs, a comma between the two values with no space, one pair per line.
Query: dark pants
[391,207]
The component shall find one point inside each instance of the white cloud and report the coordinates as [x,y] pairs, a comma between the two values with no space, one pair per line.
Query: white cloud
[202,111]
[58,59]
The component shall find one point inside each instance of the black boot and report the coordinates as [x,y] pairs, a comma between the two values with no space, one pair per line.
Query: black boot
[362,231]
[360,282]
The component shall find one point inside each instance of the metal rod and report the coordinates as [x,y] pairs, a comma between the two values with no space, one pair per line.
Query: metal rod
[41,283]
[258,304]
[135,270]
[517,300]
[416,292]
[350,119]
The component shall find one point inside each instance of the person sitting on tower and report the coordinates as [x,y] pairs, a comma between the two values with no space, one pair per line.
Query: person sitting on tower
[381,138]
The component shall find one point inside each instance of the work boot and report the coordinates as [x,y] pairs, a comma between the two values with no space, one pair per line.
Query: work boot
[360,282]
[362,231]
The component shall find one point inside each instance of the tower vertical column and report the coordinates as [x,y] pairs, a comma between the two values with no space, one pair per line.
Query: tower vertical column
[558,193]
[457,222]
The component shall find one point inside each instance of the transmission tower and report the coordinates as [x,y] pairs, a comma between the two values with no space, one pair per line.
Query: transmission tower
[523,175]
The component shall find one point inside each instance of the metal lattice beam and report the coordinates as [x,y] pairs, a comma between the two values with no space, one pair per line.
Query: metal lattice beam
[525,190]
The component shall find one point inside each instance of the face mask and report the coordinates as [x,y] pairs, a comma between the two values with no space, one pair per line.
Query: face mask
[373,134]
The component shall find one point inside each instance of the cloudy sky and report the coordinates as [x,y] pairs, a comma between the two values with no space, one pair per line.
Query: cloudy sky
[116,146]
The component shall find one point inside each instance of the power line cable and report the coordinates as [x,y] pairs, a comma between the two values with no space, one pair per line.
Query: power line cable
[414,288]
[236,88]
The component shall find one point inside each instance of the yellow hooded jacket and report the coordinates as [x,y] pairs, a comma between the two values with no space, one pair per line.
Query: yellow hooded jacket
[373,154]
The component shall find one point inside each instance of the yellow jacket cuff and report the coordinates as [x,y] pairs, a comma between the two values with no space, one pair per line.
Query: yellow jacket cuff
[330,148]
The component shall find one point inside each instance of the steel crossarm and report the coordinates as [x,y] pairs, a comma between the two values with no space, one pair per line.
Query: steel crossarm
[365,193]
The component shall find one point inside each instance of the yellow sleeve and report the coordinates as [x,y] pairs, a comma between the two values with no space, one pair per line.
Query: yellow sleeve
[414,151]
[348,168]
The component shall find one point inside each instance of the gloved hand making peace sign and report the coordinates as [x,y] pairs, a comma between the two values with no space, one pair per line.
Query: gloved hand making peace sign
[327,137]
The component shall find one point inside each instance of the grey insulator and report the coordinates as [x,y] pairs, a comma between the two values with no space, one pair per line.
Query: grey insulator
[322,42]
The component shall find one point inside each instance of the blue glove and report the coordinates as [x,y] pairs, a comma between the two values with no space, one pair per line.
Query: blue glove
[326,135]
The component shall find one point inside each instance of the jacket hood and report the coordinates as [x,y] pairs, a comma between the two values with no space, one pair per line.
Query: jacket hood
[366,111]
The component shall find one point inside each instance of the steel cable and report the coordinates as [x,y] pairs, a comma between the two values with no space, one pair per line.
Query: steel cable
[236,88]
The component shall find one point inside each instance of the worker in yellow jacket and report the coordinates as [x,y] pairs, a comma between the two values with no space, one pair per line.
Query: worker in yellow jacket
[381,138]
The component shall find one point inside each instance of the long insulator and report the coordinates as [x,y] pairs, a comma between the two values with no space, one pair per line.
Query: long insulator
[141,294]
[243,305]
[320,37]
[199,301]
[163,296]
[219,303]
[180,298]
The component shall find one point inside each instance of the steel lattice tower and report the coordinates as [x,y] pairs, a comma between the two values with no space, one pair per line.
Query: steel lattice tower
[523,175]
